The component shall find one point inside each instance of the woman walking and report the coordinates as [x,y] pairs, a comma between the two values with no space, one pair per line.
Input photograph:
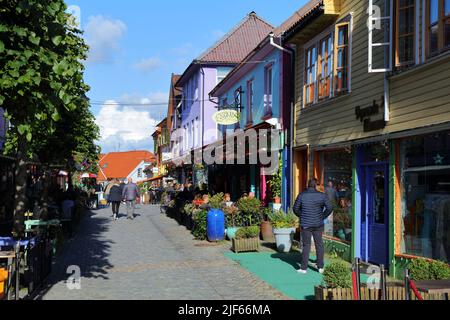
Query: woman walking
[115,196]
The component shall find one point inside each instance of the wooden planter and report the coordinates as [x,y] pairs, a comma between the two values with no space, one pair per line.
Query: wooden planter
[245,245]
[394,292]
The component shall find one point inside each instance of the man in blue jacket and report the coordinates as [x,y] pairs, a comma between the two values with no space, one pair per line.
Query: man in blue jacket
[313,207]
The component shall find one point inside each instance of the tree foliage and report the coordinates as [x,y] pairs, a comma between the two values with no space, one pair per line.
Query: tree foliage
[42,88]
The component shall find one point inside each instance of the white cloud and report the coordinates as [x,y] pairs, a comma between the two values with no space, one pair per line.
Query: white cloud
[130,126]
[148,65]
[103,36]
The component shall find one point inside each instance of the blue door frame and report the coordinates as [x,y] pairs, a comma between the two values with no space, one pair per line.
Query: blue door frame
[375,213]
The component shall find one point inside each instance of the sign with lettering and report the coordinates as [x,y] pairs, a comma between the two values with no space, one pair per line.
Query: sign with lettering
[365,116]
[226,117]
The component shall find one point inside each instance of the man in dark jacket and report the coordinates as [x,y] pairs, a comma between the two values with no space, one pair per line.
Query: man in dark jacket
[313,207]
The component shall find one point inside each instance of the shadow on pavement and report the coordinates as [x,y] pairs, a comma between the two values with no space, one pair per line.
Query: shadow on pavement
[88,250]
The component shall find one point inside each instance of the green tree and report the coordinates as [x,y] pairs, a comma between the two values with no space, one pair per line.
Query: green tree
[42,87]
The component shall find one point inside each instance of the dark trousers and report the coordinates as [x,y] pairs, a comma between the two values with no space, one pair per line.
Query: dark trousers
[115,207]
[316,233]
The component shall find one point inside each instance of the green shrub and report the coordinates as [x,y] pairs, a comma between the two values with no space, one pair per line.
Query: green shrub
[337,275]
[250,209]
[280,220]
[248,232]
[216,201]
[199,230]
[422,269]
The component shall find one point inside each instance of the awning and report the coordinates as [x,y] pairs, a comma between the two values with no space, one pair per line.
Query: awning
[88,176]
[154,179]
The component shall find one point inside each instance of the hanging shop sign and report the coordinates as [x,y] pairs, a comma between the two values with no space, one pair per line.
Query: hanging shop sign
[226,117]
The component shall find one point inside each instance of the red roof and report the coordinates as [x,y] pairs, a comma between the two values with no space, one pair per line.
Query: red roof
[236,44]
[119,165]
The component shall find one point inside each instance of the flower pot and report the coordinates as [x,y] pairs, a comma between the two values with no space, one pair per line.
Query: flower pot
[245,245]
[231,232]
[283,239]
[276,206]
[267,231]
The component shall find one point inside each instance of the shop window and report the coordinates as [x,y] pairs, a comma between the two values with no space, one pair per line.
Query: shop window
[405,26]
[425,195]
[335,170]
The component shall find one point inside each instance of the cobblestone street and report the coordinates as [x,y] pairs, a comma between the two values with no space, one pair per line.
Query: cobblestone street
[151,257]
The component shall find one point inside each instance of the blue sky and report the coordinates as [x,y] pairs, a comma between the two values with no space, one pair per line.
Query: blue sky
[137,44]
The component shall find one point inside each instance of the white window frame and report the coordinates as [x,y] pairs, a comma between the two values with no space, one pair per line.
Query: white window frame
[371,20]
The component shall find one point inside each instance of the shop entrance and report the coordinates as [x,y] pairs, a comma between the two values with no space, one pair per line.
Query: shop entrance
[375,214]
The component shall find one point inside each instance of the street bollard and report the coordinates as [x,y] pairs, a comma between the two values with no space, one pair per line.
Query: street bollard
[383,282]
[358,276]
[17,288]
[407,287]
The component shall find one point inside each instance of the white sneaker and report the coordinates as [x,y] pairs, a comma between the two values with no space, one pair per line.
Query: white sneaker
[302,271]
[321,271]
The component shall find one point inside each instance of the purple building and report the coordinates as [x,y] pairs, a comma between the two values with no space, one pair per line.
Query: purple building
[196,128]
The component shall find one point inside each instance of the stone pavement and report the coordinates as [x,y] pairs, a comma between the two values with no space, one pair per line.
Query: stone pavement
[149,258]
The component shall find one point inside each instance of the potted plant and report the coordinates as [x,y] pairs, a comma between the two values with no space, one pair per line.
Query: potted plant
[246,239]
[337,282]
[199,217]
[284,225]
[266,227]
[188,210]
[232,217]
[275,186]
[250,208]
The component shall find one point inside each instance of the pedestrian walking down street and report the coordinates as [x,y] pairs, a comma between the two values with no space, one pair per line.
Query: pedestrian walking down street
[313,207]
[130,193]
[108,190]
[115,197]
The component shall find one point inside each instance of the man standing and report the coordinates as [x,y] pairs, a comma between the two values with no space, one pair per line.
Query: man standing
[130,193]
[313,207]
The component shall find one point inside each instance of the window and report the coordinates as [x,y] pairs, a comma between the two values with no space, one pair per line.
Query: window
[268,89]
[405,26]
[249,102]
[327,64]
[438,26]
[342,59]
[139,173]
[325,67]
[222,72]
[193,139]
[310,73]
[238,102]
[425,195]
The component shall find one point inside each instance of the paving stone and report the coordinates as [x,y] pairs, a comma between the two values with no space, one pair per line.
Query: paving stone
[151,257]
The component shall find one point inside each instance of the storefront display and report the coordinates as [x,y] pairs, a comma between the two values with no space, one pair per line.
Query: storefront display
[336,176]
[425,181]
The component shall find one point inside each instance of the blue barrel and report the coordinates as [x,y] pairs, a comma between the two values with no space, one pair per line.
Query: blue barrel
[215,225]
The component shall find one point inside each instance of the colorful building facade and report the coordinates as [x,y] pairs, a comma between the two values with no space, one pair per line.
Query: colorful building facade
[374,130]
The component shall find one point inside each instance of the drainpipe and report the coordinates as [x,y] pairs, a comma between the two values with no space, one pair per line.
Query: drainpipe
[291,52]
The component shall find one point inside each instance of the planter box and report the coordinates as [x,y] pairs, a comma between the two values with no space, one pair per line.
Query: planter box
[393,292]
[245,245]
